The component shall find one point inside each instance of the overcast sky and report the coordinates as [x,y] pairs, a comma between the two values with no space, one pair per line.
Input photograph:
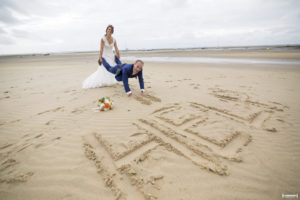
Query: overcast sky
[40,26]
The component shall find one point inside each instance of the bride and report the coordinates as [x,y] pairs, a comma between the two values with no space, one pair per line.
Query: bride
[102,77]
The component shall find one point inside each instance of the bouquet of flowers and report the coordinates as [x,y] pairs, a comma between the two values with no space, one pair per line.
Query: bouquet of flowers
[104,104]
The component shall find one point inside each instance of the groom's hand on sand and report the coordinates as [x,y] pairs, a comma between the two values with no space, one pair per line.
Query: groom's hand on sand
[132,95]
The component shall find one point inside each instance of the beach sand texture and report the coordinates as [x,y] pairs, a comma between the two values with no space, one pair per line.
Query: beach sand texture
[204,130]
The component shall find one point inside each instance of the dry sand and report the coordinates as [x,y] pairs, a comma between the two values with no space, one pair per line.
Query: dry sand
[205,131]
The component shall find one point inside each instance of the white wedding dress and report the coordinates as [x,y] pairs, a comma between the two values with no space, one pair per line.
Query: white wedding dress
[102,77]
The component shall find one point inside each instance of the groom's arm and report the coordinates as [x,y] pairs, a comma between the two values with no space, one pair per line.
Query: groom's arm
[125,81]
[141,81]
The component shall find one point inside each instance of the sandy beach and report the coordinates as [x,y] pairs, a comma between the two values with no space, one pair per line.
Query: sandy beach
[204,130]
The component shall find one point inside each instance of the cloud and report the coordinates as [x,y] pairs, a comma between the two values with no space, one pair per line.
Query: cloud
[74,25]
[4,40]
[6,16]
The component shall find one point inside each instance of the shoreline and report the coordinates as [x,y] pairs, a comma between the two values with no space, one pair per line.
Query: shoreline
[248,51]
[217,60]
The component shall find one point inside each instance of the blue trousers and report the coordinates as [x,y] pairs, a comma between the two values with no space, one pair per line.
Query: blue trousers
[112,69]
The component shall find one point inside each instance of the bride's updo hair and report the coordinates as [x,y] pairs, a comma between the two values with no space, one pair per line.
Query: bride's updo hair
[112,28]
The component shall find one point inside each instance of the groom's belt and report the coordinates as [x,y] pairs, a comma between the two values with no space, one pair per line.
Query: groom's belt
[119,69]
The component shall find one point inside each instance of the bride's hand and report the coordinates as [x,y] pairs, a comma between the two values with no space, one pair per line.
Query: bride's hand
[100,61]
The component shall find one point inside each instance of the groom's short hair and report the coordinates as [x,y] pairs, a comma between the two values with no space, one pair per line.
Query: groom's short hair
[139,61]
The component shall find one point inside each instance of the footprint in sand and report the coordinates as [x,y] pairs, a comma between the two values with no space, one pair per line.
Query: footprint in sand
[142,100]
[152,98]
[52,110]
[19,178]
[7,97]
[78,110]
[147,99]
[8,164]
[68,91]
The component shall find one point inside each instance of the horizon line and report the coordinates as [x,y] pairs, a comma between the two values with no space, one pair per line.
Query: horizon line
[151,49]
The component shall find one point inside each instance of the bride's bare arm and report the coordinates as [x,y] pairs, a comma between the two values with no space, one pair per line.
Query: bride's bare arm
[101,50]
[117,50]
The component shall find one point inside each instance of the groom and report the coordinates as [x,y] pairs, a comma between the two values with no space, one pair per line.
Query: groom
[124,71]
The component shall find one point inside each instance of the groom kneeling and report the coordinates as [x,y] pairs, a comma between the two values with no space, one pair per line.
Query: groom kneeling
[124,71]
